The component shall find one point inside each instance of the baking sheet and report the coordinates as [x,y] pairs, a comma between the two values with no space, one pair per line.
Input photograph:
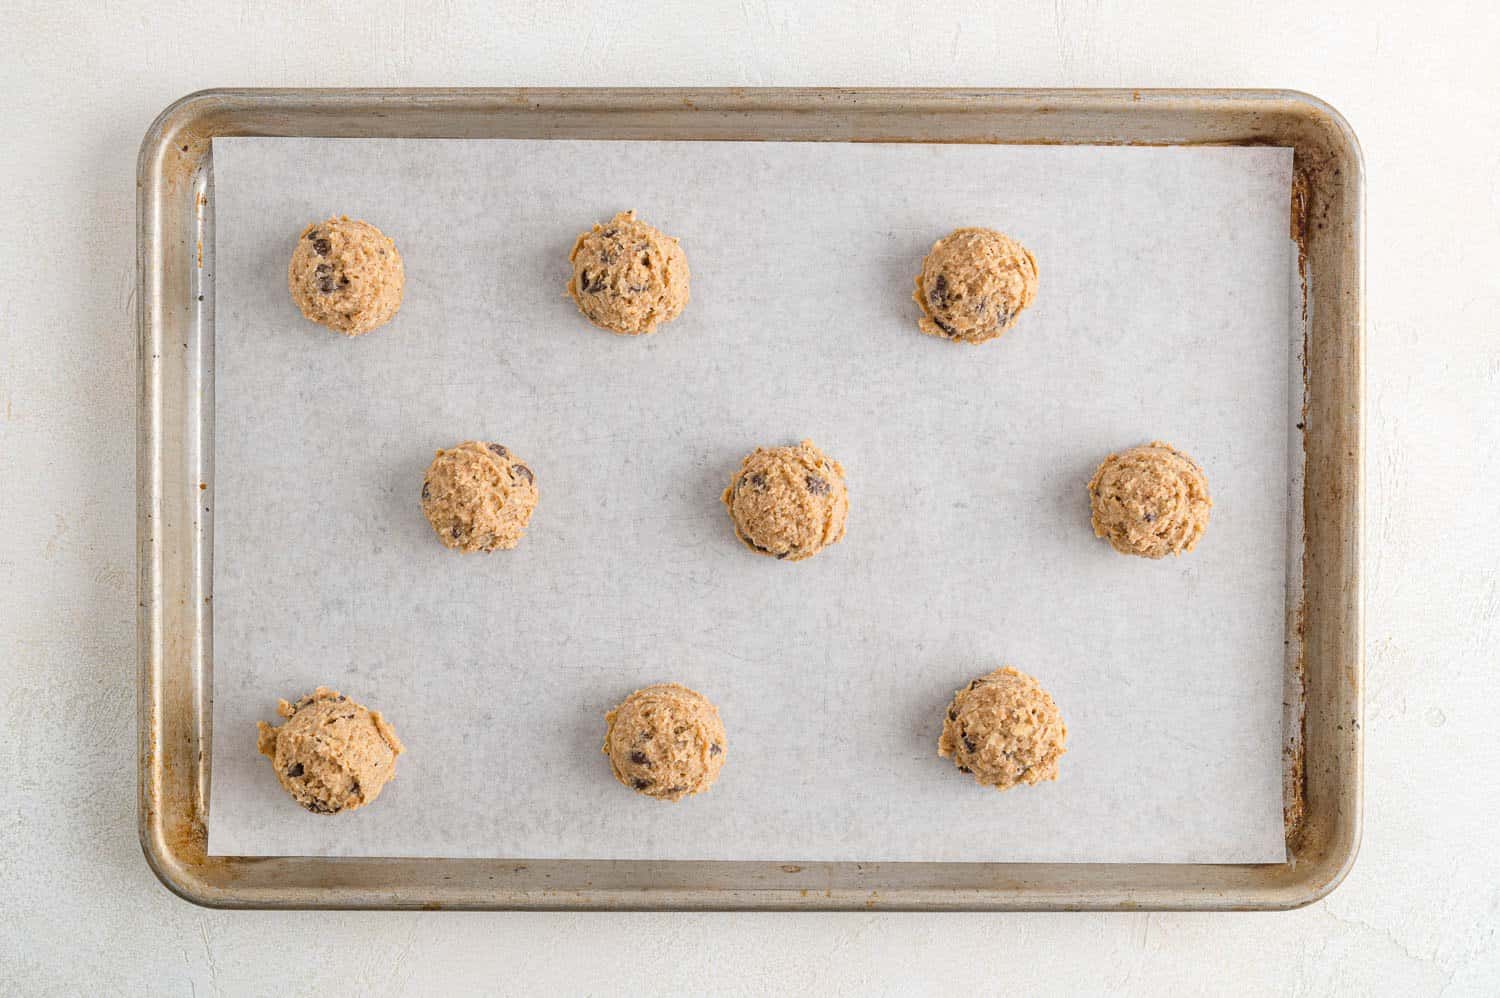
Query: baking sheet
[1165,310]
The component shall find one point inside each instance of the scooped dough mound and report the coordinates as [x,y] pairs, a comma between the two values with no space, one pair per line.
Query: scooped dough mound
[974,285]
[331,755]
[1150,501]
[346,275]
[665,741]
[788,502]
[1005,730]
[479,496]
[628,277]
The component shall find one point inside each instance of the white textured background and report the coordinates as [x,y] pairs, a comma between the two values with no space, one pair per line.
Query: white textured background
[80,912]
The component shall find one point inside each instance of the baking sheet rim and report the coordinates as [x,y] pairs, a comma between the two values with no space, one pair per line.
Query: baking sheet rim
[198,117]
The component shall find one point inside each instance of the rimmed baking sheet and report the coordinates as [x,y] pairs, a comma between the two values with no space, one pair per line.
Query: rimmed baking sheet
[1167,309]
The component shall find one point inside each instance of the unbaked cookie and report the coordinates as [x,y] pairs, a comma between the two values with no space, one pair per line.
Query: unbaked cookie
[346,275]
[665,741]
[478,496]
[1150,501]
[628,277]
[788,502]
[331,755]
[974,285]
[1005,730]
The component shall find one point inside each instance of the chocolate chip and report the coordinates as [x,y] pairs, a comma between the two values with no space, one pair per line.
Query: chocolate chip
[817,486]
[938,296]
[316,807]
[646,259]
[676,790]
[426,491]
[964,769]
[639,758]
[296,770]
[592,283]
[782,555]
[321,245]
[716,749]
[947,329]
[521,471]
[498,450]
[973,684]
[457,530]
[757,481]
[969,745]
[952,714]
[610,233]
[640,783]
[327,283]
[1149,518]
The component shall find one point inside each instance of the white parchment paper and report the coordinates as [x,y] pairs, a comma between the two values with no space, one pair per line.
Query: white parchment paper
[1165,311]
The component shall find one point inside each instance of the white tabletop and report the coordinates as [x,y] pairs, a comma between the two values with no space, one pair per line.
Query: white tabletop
[81,911]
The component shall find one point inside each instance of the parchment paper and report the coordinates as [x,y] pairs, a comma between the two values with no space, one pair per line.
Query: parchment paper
[1165,311]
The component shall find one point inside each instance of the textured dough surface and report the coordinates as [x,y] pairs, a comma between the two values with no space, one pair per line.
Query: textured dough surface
[665,741]
[346,275]
[628,277]
[332,754]
[1150,501]
[1005,730]
[974,285]
[479,496]
[788,502]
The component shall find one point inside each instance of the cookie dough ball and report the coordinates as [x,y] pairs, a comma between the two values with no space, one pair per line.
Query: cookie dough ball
[1005,730]
[628,277]
[331,755]
[974,285]
[788,502]
[346,275]
[478,496]
[1150,501]
[665,741]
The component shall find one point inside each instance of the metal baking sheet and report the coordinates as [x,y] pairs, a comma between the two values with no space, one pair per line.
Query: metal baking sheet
[1169,315]
[1320,844]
